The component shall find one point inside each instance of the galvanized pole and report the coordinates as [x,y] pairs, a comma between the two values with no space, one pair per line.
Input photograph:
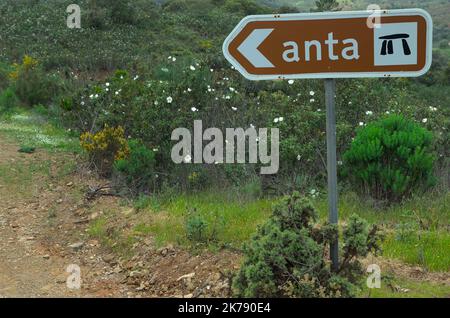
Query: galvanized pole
[330,92]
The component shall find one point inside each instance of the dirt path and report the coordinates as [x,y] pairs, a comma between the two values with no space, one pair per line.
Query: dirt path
[44,220]
[33,256]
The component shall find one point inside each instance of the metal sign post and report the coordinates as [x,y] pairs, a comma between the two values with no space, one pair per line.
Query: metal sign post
[330,93]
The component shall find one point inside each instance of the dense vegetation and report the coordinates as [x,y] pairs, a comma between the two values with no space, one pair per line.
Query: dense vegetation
[137,70]
[175,73]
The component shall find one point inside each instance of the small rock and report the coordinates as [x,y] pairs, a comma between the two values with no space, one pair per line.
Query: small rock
[93,216]
[69,184]
[187,276]
[59,201]
[163,251]
[135,274]
[46,256]
[110,259]
[61,279]
[76,246]
[117,269]
[127,212]
[188,296]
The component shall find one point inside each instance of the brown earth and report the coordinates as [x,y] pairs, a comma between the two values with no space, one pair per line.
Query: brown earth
[43,211]
[44,222]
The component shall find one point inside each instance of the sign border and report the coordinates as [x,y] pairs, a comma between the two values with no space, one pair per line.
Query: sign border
[324,16]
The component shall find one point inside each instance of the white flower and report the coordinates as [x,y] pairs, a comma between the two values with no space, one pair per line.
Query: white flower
[276,120]
[121,76]
[194,109]
[156,103]
[155,149]
[174,59]
[290,82]
[369,113]
[299,157]
[312,100]
[339,163]
[228,97]
[280,119]
[319,110]
[169,57]
[136,77]
[349,103]
[361,123]
[232,89]
[313,191]
[211,70]
[192,68]
[96,96]
[252,126]
[107,89]
[234,108]
[312,93]
[189,90]
[187,159]
[169,100]
[117,93]
[433,109]
[107,84]
[82,103]
[91,96]
[388,112]
[424,120]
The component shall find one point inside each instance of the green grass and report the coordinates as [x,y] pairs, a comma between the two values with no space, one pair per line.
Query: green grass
[432,209]
[431,250]
[110,236]
[20,176]
[408,289]
[33,131]
[234,219]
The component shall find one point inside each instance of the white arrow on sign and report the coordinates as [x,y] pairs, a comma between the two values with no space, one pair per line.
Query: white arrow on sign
[249,48]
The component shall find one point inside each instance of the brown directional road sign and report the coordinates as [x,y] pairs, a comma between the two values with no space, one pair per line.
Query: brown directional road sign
[332,45]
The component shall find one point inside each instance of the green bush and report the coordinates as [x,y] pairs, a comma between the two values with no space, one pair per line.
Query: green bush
[35,88]
[389,158]
[286,258]
[137,171]
[122,11]
[196,228]
[8,100]
[31,83]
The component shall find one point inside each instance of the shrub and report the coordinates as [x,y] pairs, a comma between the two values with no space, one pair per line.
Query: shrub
[122,11]
[31,84]
[138,169]
[286,258]
[389,158]
[4,79]
[105,147]
[196,228]
[8,100]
